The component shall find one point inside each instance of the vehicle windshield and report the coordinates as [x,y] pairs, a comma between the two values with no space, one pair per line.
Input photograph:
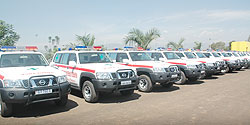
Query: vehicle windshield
[93,57]
[189,55]
[225,55]
[200,55]
[230,54]
[155,55]
[139,56]
[216,55]
[171,55]
[208,55]
[236,55]
[180,55]
[21,60]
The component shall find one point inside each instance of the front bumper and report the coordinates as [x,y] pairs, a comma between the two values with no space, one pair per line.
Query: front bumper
[194,73]
[163,77]
[114,84]
[28,96]
[212,70]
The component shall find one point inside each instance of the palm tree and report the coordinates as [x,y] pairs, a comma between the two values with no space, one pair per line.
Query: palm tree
[50,39]
[197,45]
[86,40]
[176,46]
[141,39]
[57,40]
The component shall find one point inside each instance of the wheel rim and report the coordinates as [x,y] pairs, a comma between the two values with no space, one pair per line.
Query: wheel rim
[179,81]
[87,92]
[143,83]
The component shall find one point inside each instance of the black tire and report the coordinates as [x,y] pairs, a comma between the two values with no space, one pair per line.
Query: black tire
[230,70]
[182,80]
[127,92]
[63,101]
[208,75]
[89,93]
[193,79]
[145,83]
[167,85]
[6,108]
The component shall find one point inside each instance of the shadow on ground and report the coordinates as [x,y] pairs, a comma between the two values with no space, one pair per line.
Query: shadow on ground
[41,109]
[159,88]
[194,82]
[110,97]
[211,78]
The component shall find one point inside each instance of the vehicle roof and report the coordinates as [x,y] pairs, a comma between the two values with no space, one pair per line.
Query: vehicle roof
[20,52]
[74,51]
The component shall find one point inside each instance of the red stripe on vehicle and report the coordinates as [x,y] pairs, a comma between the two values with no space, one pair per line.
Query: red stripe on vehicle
[177,63]
[226,59]
[77,68]
[1,77]
[142,66]
[202,61]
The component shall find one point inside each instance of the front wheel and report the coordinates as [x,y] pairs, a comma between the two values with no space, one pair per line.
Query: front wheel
[63,101]
[145,83]
[127,92]
[182,80]
[167,85]
[89,93]
[5,108]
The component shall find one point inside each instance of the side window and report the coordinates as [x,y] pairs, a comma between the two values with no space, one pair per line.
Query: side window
[72,57]
[121,56]
[65,58]
[156,56]
[112,56]
[57,58]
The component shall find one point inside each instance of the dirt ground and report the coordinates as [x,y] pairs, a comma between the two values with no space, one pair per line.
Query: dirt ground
[222,99]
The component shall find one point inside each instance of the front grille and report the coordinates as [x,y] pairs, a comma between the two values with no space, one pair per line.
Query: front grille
[124,74]
[42,81]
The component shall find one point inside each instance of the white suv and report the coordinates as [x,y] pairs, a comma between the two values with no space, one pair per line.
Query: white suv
[93,72]
[26,78]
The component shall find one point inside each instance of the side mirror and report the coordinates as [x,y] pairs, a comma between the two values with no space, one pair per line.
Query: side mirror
[125,61]
[72,63]
[162,59]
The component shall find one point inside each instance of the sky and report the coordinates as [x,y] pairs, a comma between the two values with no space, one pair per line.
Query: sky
[110,20]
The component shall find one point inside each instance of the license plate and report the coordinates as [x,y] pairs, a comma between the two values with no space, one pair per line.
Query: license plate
[202,71]
[174,76]
[46,91]
[126,82]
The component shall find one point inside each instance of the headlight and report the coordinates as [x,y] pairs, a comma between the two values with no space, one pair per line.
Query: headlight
[12,83]
[61,79]
[103,75]
[191,66]
[158,69]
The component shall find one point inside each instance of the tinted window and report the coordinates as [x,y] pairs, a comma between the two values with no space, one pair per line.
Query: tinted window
[65,58]
[139,56]
[57,57]
[171,55]
[72,57]
[19,60]
[180,54]
[216,54]
[200,55]
[225,55]
[235,55]
[189,55]
[207,55]
[112,56]
[121,56]
[156,56]
[93,57]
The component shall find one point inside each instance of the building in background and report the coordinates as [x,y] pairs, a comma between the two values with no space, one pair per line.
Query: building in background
[240,46]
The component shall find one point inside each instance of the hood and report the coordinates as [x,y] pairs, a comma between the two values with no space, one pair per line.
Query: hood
[183,62]
[105,67]
[27,72]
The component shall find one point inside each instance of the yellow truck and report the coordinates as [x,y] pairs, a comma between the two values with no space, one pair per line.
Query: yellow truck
[240,46]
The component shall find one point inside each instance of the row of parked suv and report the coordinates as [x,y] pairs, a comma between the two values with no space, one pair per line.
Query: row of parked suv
[26,77]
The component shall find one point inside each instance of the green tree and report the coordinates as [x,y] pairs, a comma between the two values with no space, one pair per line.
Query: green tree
[8,37]
[175,45]
[197,45]
[218,45]
[142,39]
[86,40]
[52,46]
